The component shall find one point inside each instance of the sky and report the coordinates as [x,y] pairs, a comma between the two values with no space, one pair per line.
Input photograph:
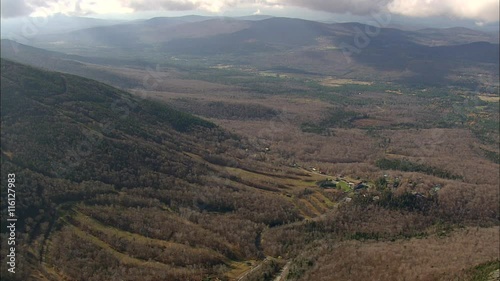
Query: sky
[479,11]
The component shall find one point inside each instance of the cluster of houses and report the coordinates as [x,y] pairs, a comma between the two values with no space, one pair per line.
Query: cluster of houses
[334,184]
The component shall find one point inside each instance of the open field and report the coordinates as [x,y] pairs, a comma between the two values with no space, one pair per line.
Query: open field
[490,98]
[332,82]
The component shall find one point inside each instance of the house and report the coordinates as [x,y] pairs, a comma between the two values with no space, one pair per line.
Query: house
[328,184]
[360,185]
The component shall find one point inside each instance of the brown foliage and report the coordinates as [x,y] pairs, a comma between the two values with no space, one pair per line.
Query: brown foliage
[432,258]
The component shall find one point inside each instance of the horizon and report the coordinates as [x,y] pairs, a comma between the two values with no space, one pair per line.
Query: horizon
[14,26]
[449,13]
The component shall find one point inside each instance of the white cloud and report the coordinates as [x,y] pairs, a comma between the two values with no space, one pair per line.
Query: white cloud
[480,10]
[71,7]
[212,6]
[103,7]
[357,7]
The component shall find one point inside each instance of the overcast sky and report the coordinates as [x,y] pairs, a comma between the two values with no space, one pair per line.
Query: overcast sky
[480,11]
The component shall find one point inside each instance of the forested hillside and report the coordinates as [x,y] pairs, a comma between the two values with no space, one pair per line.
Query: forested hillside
[112,187]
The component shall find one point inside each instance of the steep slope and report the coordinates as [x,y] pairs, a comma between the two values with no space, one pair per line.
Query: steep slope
[73,64]
[111,187]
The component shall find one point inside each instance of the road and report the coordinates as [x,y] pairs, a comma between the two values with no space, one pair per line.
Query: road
[284,272]
[252,270]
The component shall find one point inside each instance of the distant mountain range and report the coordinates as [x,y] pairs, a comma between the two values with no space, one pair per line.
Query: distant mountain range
[265,42]
[262,29]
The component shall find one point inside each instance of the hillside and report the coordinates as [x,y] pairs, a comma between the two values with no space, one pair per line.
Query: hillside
[89,67]
[110,184]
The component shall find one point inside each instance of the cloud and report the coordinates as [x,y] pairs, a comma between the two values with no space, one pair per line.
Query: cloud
[84,7]
[356,7]
[15,8]
[478,10]
[214,6]
[164,5]
[42,8]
